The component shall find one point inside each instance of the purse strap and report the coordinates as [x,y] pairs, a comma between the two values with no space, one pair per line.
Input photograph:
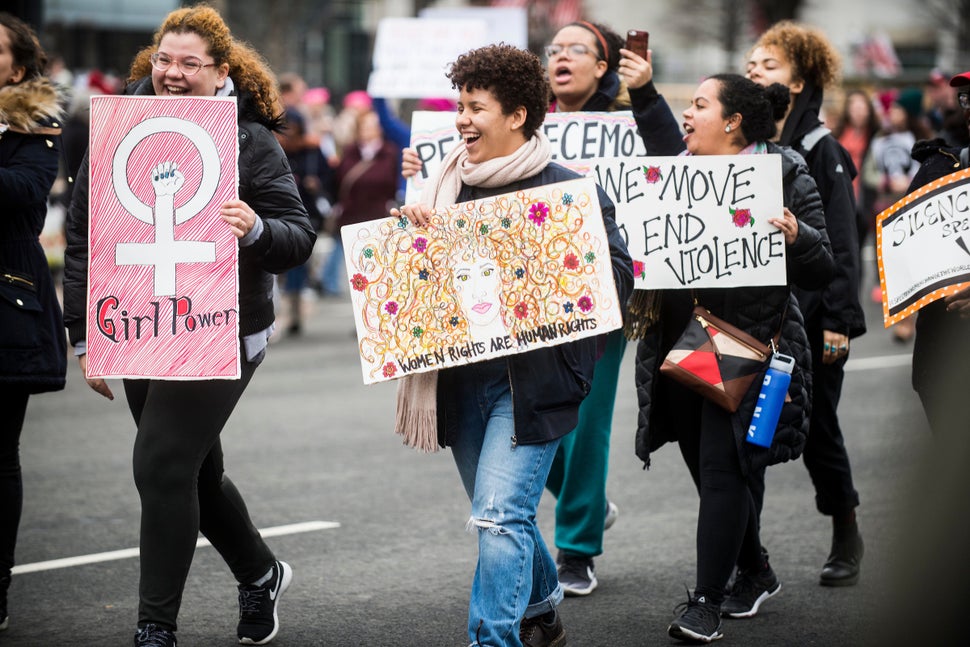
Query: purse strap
[773,342]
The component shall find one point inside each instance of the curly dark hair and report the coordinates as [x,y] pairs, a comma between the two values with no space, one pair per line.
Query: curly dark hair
[514,76]
[760,107]
[613,41]
[248,69]
[24,46]
[812,56]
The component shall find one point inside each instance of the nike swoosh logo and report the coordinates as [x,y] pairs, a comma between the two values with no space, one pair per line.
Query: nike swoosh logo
[279,580]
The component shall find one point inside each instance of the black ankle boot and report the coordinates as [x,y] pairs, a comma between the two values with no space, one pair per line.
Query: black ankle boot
[842,566]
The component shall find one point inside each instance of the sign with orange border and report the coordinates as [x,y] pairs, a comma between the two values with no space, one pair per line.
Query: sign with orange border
[923,246]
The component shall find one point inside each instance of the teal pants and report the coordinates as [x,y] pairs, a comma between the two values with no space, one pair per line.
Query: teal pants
[578,475]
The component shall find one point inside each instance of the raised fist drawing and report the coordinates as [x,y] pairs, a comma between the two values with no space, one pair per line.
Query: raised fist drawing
[167,179]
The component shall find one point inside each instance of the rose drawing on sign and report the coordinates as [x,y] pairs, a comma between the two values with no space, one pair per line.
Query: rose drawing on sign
[741,217]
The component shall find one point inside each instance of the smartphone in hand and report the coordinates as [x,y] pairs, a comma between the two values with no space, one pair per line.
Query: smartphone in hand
[637,41]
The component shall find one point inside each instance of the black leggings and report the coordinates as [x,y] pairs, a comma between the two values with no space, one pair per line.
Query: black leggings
[728,518]
[179,475]
[11,483]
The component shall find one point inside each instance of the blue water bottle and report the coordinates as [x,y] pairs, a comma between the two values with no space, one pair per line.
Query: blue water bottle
[774,388]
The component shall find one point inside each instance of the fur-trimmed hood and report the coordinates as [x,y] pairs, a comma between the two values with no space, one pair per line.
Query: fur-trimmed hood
[31,107]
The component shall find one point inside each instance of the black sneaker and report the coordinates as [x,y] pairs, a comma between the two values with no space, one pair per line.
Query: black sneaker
[154,636]
[4,585]
[258,622]
[749,590]
[543,631]
[699,622]
[576,574]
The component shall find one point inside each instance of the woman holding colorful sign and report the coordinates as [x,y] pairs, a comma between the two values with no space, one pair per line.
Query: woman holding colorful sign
[504,418]
[32,359]
[732,115]
[178,461]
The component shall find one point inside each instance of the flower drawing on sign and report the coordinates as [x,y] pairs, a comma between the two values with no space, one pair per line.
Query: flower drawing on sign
[359,282]
[506,266]
[652,174]
[538,212]
[639,269]
[741,217]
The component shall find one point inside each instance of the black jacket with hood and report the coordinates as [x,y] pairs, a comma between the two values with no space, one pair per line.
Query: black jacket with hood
[33,353]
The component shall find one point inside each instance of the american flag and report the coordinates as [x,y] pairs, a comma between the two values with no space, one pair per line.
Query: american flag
[877,55]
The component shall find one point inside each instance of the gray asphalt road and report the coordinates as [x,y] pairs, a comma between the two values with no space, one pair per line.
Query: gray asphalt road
[309,442]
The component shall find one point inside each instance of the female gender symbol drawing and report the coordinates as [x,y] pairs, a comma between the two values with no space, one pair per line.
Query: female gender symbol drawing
[166,253]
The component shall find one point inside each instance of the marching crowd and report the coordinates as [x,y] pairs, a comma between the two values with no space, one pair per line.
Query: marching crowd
[524,423]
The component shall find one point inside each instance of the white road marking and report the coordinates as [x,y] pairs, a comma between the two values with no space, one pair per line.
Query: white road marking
[67,562]
[880,362]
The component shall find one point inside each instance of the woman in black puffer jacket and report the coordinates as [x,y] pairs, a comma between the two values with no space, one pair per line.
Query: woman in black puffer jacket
[732,115]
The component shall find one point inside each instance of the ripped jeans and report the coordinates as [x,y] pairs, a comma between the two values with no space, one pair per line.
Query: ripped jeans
[516,575]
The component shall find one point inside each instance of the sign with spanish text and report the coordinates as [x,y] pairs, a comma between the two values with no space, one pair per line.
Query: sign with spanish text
[412,55]
[923,246]
[577,138]
[484,279]
[163,280]
[698,221]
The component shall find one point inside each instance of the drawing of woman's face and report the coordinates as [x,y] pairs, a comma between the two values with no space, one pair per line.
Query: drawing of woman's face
[478,284]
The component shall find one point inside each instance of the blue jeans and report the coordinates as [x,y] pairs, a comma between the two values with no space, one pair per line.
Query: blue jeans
[516,575]
[332,271]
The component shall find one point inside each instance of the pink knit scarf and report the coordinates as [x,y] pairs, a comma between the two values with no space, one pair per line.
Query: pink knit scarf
[417,417]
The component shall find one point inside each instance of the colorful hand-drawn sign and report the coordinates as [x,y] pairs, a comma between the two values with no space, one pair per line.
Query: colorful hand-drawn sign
[162,274]
[577,138]
[923,246]
[486,278]
[698,221]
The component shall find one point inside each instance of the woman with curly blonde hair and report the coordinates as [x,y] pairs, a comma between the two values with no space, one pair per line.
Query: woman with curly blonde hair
[802,59]
[178,460]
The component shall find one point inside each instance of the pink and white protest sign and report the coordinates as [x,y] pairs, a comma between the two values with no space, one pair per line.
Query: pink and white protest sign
[163,280]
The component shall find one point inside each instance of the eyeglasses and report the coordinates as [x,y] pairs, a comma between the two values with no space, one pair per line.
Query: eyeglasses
[574,49]
[188,66]
[964,99]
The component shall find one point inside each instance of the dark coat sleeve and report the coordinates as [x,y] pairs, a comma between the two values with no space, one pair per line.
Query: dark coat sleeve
[810,263]
[76,258]
[837,304]
[655,121]
[269,188]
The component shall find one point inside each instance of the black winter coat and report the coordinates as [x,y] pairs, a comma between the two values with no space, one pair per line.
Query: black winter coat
[836,306]
[757,311]
[33,351]
[265,183]
[548,384]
